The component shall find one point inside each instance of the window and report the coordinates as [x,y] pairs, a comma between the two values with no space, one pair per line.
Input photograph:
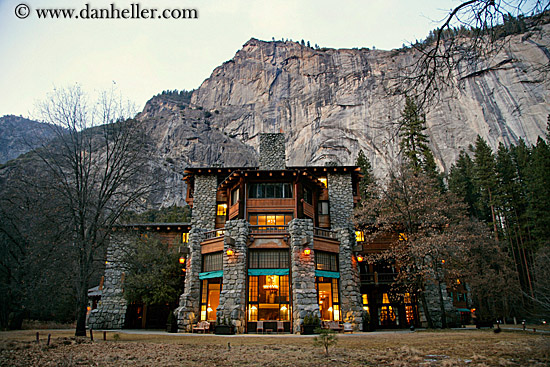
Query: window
[323,180]
[212,262]
[308,195]
[222,210]
[323,208]
[185,237]
[269,219]
[326,261]
[268,298]
[270,191]
[234,196]
[359,236]
[329,305]
[268,259]
[210,298]
[365,302]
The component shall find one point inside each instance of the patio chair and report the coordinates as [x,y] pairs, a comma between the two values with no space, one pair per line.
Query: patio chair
[260,326]
[348,327]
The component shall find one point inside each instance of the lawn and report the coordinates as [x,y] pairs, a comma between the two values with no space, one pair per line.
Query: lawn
[420,348]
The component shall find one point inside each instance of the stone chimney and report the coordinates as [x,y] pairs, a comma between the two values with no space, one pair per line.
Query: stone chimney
[272,151]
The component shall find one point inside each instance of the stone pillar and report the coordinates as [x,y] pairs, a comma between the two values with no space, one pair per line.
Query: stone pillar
[431,292]
[351,303]
[204,202]
[304,295]
[233,295]
[188,311]
[340,193]
[272,151]
[111,310]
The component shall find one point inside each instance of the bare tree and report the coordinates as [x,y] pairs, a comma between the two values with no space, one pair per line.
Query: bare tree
[465,43]
[97,168]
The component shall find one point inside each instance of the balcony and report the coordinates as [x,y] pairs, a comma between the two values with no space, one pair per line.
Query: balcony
[378,278]
[269,230]
[325,240]
[213,241]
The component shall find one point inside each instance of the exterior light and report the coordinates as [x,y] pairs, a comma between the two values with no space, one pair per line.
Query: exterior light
[182,260]
[307,251]
[230,252]
[360,258]
[443,261]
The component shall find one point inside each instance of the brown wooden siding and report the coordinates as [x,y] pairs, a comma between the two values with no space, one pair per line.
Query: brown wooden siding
[308,210]
[212,245]
[234,211]
[324,244]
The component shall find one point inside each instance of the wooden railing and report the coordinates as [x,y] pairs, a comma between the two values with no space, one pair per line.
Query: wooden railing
[377,278]
[220,232]
[325,233]
[269,229]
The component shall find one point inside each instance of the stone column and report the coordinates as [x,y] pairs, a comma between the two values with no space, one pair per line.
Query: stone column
[188,311]
[111,310]
[272,151]
[350,282]
[204,202]
[340,193]
[431,292]
[233,295]
[304,295]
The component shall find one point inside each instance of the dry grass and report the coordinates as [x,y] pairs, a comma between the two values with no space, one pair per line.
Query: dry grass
[438,348]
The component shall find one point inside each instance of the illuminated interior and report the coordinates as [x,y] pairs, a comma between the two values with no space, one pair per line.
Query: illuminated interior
[268,298]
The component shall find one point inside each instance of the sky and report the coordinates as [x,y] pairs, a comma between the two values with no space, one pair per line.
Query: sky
[143,57]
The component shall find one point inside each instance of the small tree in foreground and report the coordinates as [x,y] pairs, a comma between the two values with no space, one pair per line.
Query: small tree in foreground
[326,339]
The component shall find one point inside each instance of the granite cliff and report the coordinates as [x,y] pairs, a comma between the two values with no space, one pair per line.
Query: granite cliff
[331,103]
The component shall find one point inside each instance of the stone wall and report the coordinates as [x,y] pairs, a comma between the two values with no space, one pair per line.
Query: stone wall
[111,310]
[340,192]
[233,295]
[304,294]
[431,292]
[272,151]
[188,311]
[351,303]
[204,202]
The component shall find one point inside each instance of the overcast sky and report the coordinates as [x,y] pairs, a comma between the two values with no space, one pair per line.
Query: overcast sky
[146,56]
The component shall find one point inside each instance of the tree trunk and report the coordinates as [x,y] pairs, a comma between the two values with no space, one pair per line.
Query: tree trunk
[81,311]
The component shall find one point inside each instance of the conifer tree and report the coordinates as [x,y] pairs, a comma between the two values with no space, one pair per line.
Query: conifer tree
[365,185]
[414,141]
[486,180]
[461,182]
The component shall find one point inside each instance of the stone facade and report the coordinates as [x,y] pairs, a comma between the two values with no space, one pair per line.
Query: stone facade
[272,152]
[351,303]
[233,296]
[111,310]
[304,294]
[204,202]
[432,294]
[188,311]
[340,192]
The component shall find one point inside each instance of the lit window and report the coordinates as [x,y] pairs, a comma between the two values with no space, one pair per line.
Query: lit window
[323,180]
[185,237]
[402,237]
[222,209]
[359,236]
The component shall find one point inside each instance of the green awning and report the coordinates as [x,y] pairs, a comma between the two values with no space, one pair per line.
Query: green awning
[327,274]
[463,309]
[211,274]
[257,272]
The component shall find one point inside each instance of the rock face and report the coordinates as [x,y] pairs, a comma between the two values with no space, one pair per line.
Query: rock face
[19,135]
[331,103]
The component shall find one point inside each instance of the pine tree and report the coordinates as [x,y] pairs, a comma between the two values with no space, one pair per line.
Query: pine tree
[368,178]
[486,180]
[414,142]
[461,182]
